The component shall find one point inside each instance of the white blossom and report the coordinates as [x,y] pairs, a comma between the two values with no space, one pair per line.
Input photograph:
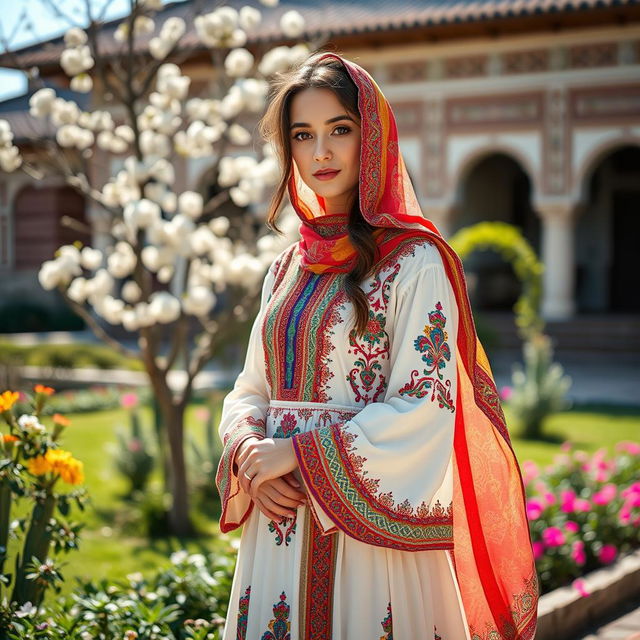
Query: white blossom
[122,261]
[165,274]
[249,17]
[190,204]
[64,112]
[163,171]
[82,83]
[292,24]
[78,290]
[76,60]
[269,3]
[98,120]
[49,275]
[143,314]
[175,86]
[75,37]
[159,48]
[6,135]
[173,29]
[245,270]
[238,135]
[141,214]
[41,102]
[131,291]
[219,225]
[254,93]
[130,319]
[233,103]
[164,307]
[240,198]
[202,240]
[10,159]
[90,258]
[238,63]
[143,25]
[154,144]
[27,610]
[110,308]
[101,284]
[198,301]
[31,424]
[125,132]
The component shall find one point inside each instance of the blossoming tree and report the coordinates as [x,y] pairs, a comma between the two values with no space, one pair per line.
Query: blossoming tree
[172,263]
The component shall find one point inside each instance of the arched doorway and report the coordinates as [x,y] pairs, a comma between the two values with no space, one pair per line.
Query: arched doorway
[607,232]
[495,188]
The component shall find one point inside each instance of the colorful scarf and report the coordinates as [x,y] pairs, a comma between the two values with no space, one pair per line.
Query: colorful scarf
[492,553]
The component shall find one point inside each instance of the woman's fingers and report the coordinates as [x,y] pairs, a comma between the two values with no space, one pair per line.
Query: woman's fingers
[287,490]
[269,514]
[272,491]
[275,507]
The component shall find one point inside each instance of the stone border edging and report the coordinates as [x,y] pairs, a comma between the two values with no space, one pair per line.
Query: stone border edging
[564,613]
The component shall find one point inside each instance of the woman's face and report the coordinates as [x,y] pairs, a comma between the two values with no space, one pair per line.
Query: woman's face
[325,136]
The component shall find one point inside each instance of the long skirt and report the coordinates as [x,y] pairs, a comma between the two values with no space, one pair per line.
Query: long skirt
[292,582]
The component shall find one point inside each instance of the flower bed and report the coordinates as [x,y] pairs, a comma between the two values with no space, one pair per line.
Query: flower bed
[584,511]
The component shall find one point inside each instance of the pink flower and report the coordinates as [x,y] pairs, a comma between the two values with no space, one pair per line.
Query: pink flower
[602,475]
[553,537]
[581,587]
[577,553]
[582,505]
[506,393]
[129,400]
[607,554]
[135,445]
[535,507]
[571,526]
[632,448]
[625,515]
[566,446]
[567,500]
[550,497]
[605,495]
[538,550]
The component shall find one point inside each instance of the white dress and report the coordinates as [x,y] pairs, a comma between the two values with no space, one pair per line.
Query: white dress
[372,421]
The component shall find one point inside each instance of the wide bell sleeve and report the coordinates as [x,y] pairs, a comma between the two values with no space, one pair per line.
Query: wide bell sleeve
[385,476]
[243,415]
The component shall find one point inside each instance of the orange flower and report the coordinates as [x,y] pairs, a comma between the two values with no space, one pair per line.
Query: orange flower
[8,399]
[47,391]
[39,465]
[61,420]
[10,438]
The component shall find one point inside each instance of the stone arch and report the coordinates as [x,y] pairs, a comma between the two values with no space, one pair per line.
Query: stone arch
[493,186]
[607,228]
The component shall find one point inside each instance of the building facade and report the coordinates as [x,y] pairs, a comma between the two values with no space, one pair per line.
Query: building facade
[526,112]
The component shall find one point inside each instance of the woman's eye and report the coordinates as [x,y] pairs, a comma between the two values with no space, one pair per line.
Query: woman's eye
[300,133]
[343,129]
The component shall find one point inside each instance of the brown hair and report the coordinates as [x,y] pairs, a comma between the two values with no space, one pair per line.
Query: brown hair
[274,126]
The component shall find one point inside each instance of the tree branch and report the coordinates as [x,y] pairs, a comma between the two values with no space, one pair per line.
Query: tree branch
[97,329]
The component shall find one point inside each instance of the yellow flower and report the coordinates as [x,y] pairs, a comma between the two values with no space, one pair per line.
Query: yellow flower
[59,461]
[39,465]
[8,399]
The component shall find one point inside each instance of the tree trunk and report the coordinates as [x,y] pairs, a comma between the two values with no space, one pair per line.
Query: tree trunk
[179,514]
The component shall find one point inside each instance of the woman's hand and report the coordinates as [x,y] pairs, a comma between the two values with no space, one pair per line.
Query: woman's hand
[262,460]
[280,497]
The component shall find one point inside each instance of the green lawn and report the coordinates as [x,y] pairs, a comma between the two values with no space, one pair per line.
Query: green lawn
[105,552]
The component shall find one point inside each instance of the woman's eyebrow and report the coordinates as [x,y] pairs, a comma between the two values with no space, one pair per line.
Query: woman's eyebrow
[329,121]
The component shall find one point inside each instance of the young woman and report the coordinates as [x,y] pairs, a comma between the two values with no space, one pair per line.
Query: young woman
[365,450]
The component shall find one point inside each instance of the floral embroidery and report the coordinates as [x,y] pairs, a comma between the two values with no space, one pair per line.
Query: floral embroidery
[284,530]
[279,626]
[387,625]
[243,615]
[373,347]
[435,354]
[287,427]
[436,635]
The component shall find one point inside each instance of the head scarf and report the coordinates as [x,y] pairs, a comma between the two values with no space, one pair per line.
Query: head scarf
[492,554]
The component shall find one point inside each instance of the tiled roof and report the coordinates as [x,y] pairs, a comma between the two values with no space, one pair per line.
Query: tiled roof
[339,18]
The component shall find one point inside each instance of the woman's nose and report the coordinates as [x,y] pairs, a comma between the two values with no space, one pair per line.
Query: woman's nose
[322,151]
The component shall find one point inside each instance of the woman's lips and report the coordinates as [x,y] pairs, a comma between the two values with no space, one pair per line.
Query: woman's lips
[326,176]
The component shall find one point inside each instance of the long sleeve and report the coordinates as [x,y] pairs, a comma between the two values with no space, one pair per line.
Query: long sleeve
[243,415]
[385,476]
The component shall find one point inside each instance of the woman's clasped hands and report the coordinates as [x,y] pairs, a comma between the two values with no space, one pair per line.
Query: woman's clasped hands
[265,473]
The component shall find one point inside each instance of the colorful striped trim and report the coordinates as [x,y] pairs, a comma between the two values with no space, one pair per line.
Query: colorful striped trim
[224,475]
[322,458]
[317,579]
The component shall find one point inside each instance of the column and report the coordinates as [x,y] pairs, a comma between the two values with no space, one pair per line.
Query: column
[558,256]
